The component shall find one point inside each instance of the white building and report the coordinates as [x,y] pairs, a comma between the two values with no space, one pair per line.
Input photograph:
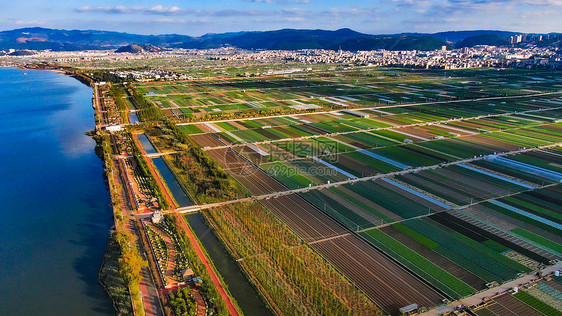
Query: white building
[157,217]
[113,128]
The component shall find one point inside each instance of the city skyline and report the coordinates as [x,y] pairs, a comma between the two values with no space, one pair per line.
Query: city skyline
[373,17]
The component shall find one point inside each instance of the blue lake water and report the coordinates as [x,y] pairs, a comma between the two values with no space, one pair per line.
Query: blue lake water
[54,204]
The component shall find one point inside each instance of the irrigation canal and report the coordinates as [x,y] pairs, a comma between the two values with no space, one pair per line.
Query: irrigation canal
[243,292]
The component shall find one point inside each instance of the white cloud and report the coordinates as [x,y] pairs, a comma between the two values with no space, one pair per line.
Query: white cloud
[120,9]
[543,2]
[293,19]
[31,22]
[166,11]
[178,21]
[161,9]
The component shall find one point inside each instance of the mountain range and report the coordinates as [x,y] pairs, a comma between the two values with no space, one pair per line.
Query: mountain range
[37,38]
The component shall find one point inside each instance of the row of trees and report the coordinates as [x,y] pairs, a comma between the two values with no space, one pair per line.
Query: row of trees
[130,261]
[204,180]
[111,278]
[148,112]
[201,177]
[145,170]
[182,302]
[248,114]
[215,303]
[117,93]
[292,277]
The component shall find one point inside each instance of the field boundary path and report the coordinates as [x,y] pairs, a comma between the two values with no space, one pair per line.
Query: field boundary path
[391,128]
[479,297]
[371,107]
[195,208]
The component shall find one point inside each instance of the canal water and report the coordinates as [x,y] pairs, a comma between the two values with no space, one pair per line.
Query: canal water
[171,182]
[244,293]
[54,206]
[133,118]
[146,144]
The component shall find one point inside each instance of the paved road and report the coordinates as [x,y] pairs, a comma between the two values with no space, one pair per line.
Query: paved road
[149,294]
[477,298]
[150,298]
[158,154]
[194,241]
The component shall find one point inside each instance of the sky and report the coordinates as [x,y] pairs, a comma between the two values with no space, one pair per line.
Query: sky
[195,17]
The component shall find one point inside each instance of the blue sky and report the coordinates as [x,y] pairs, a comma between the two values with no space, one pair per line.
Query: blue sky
[193,17]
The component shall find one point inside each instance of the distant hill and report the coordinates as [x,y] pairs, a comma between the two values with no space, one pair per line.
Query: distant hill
[404,42]
[294,39]
[554,40]
[43,38]
[457,36]
[37,38]
[138,48]
[280,39]
[483,39]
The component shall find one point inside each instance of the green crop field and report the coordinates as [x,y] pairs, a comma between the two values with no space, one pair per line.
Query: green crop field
[537,304]
[441,278]
[482,256]
[451,174]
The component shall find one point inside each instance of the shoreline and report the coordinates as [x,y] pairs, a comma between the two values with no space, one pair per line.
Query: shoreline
[101,274]
[90,255]
[106,252]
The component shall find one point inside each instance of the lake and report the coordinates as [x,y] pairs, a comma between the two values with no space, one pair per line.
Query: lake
[54,203]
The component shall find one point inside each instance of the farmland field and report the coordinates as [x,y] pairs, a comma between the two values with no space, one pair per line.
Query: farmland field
[418,186]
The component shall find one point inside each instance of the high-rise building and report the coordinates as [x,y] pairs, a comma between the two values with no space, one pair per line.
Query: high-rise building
[516,39]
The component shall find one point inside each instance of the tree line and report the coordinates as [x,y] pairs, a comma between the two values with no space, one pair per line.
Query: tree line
[290,275]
